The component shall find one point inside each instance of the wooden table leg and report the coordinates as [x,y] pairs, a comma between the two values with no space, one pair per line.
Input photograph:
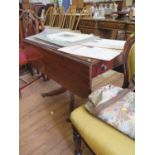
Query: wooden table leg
[54,92]
[45,78]
[72,102]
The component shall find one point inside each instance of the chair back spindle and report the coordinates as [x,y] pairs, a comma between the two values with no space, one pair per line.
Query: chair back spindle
[129,61]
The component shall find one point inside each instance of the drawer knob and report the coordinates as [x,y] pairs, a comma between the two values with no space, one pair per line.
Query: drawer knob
[104,67]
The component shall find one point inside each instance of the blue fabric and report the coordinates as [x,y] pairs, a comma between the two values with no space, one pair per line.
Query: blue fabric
[66,4]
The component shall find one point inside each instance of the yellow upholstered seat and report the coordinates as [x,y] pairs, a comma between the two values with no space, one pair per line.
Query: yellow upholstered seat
[132,62]
[102,138]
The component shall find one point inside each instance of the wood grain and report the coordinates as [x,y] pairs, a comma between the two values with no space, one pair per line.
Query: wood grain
[72,72]
[43,126]
[106,28]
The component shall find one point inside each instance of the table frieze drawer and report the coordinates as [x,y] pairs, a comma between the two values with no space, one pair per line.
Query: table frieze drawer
[101,67]
[90,31]
[87,31]
[85,23]
[110,25]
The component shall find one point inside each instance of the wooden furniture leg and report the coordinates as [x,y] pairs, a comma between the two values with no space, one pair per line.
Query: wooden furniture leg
[54,92]
[30,68]
[72,102]
[45,78]
[77,142]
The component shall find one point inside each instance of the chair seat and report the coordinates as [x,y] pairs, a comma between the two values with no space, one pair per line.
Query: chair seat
[28,56]
[101,137]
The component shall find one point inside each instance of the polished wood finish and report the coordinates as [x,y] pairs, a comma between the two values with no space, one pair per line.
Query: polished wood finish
[77,142]
[106,28]
[127,50]
[72,72]
[62,69]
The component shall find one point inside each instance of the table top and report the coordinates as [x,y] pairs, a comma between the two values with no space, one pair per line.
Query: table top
[75,73]
[51,47]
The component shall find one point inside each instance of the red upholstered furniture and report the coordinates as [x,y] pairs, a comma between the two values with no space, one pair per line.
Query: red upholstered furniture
[22,57]
[29,25]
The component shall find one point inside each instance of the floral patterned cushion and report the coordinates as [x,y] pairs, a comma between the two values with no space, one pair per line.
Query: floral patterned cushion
[115,107]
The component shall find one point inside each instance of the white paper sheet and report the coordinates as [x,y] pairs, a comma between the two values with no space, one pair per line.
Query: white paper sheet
[106,43]
[91,52]
[68,36]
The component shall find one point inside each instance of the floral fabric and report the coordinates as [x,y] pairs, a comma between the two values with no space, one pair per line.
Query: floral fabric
[120,114]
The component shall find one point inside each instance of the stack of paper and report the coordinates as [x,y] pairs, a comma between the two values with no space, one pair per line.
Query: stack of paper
[106,43]
[63,38]
[91,52]
[68,36]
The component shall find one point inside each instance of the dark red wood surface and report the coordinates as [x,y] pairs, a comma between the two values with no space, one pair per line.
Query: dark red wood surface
[72,72]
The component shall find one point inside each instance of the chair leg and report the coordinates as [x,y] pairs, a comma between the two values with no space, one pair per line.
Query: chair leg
[71,104]
[30,68]
[37,71]
[77,142]
[45,78]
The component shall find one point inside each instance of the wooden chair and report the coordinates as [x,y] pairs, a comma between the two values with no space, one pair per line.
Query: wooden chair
[48,15]
[28,25]
[71,9]
[69,18]
[86,12]
[59,17]
[53,15]
[99,136]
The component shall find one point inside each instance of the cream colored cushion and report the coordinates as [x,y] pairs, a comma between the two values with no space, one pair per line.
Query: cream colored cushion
[102,138]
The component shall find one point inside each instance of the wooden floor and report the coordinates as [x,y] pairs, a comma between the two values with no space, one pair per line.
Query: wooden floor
[43,126]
